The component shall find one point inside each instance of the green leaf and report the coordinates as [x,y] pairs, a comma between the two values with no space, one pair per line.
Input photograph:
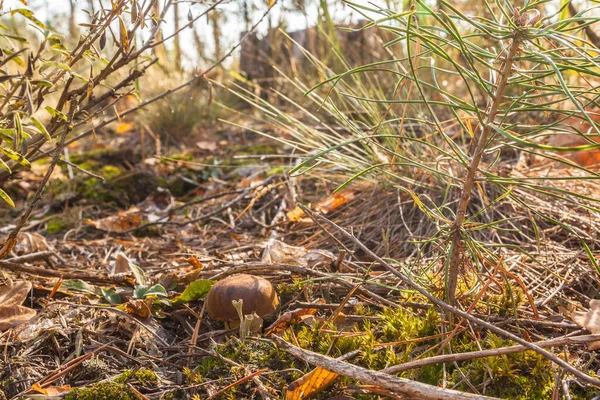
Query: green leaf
[139,292]
[7,135]
[5,166]
[55,113]
[111,296]
[138,273]
[15,37]
[564,13]
[6,198]
[78,285]
[18,129]
[29,15]
[13,155]
[157,290]
[196,290]
[41,128]
[41,82]
[58,65]
[14,58]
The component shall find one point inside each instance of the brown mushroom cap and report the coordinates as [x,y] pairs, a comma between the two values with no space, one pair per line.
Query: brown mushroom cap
[258,295]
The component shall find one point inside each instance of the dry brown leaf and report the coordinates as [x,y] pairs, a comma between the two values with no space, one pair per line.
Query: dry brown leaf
[194,262]
[310,384]
[52,390]
[190,277]
[14,293]
[120,222]
[334,201]
[141,308]
[30,243]
[277,252]
[121,264]
[204,145]
[12,313]
[295,215]
[295,315]
[589,320]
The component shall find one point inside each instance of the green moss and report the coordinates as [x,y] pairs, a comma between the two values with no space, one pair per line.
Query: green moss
[520,376]
[56,225]
[195,376]
[110,172]
[276,171]
[144,376]
[524,375]
[103,391]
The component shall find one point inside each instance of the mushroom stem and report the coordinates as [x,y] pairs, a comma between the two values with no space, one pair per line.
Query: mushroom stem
[238,304]
[248,324]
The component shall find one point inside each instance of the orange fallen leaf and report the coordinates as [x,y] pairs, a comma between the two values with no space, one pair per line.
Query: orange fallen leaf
[125,127]
[310,384]
[12,296]
[334,201]
[295,215]
[194,262]
[52,390]
[120,222]
[295,315]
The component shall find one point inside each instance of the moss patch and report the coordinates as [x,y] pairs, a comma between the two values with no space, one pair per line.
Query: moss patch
[144,376]
[56,225]
[103,391]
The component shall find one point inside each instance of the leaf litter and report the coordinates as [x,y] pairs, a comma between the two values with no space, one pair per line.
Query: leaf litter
[144,308]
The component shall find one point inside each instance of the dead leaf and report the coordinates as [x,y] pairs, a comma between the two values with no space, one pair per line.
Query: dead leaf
[277,252]
[30,243]
[121,265]
[295,215]
[589,320]
[334,201]
[14,293]
[310,384]
[121,222]
[190,277]
[12,296]
[210,146]
[295,315]
[51,390]
[141,308]
[124,127]
[194,262]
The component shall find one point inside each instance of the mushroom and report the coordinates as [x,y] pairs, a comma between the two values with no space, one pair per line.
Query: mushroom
[257,295]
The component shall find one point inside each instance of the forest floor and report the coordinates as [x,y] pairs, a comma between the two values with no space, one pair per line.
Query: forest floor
[116,273]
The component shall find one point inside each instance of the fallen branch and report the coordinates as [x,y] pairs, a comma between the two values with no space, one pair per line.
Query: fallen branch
[406,387]
[447,307]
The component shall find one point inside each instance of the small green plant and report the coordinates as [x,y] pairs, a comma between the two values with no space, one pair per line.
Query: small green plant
[461,105]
